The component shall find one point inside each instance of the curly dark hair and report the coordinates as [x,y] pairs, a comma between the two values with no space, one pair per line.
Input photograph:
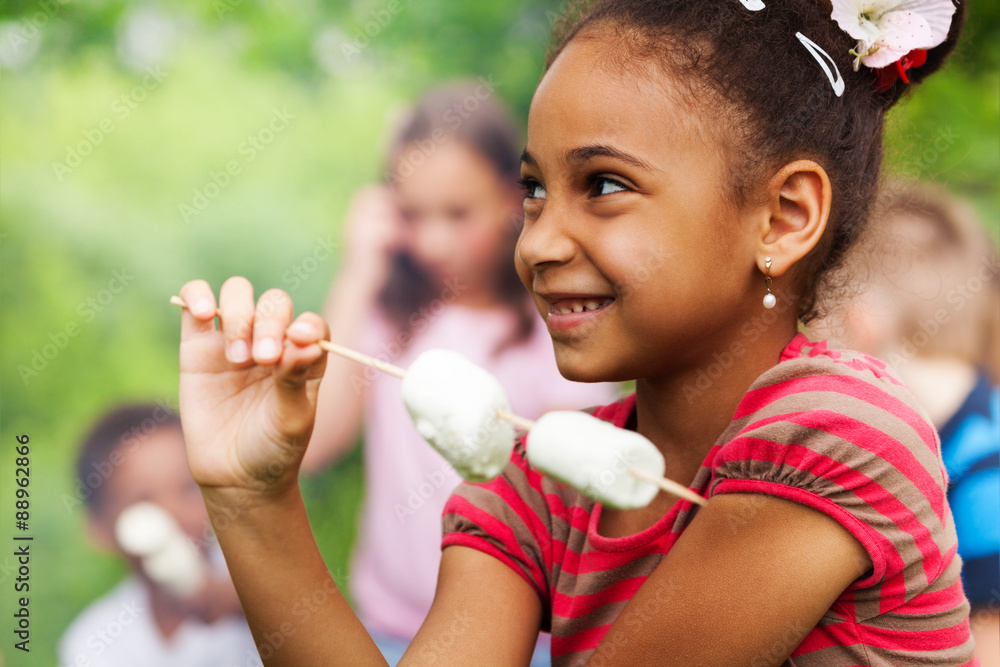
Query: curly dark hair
[776,102]
[103,448]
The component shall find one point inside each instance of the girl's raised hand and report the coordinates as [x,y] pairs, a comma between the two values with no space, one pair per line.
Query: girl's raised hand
[373,230]
[247,389]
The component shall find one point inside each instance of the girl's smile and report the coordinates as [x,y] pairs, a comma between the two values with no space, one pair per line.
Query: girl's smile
[568,311]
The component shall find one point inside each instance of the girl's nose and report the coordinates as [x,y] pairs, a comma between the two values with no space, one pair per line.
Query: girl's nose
[435,241]
[545,241]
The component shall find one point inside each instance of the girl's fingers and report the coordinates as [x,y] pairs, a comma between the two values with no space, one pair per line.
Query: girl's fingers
[237,313]
[298,363]
[308,328]
[273,315]
[199,317]
[258,332]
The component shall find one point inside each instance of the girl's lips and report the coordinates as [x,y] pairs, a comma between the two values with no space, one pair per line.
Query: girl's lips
[566,321]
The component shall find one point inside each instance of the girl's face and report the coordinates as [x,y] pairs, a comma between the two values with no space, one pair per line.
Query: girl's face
[459,216]
[627,218]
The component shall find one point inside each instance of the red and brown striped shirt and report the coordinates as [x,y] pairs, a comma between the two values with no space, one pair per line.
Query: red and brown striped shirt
[827,427]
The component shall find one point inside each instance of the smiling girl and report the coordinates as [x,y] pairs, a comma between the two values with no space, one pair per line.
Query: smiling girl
[692,171]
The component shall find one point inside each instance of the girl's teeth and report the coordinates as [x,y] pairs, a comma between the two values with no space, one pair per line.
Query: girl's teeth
[582,306]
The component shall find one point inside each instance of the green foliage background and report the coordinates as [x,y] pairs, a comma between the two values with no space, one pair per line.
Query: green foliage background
[62,236]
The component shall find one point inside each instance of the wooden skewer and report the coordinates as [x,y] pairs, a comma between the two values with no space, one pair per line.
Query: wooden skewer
[667,485]
[340,350]
[354,355]
[177,301]
[519,422]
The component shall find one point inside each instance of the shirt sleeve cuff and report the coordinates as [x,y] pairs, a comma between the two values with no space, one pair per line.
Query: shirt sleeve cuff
[861,531]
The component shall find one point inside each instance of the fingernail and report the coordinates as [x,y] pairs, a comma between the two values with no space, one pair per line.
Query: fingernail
[300,328]
[238,351]
[202,307]
[266,348]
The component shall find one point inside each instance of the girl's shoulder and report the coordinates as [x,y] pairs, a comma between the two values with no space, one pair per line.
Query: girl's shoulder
[829,357]
[838,430]
[823,377]
[834,400]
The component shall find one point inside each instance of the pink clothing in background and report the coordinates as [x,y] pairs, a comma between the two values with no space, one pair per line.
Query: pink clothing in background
[395,566]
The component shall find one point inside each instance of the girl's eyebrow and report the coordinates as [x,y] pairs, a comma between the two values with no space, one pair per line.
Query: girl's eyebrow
[584,153]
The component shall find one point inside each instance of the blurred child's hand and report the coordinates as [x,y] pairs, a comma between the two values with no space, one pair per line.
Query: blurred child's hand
[373,230]
[248,389]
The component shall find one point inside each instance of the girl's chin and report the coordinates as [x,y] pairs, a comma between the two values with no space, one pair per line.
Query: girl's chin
[577,365]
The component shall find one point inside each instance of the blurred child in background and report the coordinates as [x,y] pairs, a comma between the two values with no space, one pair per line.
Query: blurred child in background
[428,264]
[930,307]
[135,454]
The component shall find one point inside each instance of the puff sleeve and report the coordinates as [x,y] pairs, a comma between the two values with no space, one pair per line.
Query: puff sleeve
[843,435]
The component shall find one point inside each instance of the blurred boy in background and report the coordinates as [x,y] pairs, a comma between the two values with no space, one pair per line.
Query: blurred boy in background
[930,307]
[135,454]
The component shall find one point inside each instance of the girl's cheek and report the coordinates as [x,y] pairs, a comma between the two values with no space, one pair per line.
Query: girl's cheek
[638,270]
[479,240]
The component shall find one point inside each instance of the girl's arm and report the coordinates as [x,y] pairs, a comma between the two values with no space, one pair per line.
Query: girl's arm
[246,424]
[483,614]
[743,585]
[372,233]
[295,612]
[342,392]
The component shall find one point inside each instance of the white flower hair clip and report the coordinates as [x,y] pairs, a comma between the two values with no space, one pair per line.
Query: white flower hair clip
[893,35]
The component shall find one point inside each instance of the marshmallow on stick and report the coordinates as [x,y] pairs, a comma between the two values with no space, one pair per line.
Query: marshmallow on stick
[168,557]
[455,406]
[463,412]
[596,458]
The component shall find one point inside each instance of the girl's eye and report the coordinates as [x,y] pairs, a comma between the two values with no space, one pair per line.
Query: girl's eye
[532,188]
[607,186]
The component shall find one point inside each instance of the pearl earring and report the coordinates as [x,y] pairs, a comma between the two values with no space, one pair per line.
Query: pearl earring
[769,299]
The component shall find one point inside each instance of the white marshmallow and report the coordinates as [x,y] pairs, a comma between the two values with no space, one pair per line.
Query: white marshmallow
[178,567]
[453,404]
[594,457]
[143,528]
[166,554]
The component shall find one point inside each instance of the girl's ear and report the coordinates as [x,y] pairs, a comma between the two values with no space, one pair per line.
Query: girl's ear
[798,207]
